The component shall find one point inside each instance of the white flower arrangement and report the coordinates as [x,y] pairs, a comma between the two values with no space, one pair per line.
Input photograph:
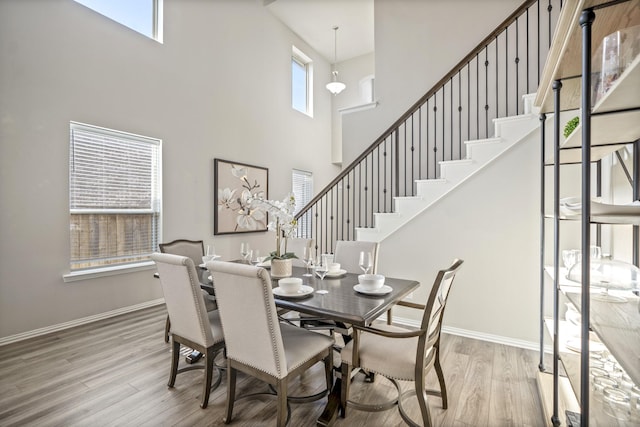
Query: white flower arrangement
[283,221]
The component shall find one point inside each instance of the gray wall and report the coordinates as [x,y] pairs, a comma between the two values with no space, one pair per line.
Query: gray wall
[219,87]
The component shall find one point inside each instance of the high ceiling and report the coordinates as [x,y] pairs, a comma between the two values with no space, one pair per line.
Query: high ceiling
[313,21]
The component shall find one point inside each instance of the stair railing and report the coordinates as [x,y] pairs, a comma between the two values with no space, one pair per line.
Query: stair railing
[487,83]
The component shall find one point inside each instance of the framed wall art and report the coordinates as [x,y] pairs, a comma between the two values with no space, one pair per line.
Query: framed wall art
[234,182]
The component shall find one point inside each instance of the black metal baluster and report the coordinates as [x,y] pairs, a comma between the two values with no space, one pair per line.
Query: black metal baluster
[497,108]
[384,154]
[506,72]
[469,100]
[412,155]
[396,155]
[348,211]
[459,116]
[405,168]
[366,194]
[451,118]
[477,96]
[528,63]
[517,60]
[435,135]
[419,143]
[486,92]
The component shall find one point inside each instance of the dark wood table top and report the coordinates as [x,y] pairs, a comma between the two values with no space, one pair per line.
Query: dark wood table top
[341,302]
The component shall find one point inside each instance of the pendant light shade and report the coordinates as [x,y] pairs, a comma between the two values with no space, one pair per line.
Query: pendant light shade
[334,86]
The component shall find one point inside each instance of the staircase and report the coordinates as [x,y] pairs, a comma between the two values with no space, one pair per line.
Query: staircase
[480,153]
[464,122]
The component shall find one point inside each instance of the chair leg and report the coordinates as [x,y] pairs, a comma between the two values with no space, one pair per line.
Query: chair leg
[175,356]
[231,392]
[208,370]
[345,383]
[328,369]
[421,394]
[282,402]
[167,328]
[440,374]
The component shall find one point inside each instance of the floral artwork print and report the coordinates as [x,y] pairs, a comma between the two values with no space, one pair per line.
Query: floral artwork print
[236,185]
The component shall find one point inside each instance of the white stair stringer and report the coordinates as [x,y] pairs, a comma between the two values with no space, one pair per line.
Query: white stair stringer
[480,153]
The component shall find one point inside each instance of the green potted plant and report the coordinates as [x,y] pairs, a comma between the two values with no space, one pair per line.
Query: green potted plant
[570,126]
[284,224]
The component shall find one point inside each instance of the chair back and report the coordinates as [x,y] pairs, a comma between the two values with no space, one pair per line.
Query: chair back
[193,249]
[248,316]
[297,245]
[347,253]
[434,310]
[183,298]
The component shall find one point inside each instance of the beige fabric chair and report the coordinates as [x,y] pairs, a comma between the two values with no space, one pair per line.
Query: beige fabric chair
[297,245]
[193,249]
[256,343]
[191,325]
[347,253]
[402,354]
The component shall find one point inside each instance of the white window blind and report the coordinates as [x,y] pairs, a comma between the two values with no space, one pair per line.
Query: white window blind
[302,188]
[114,197]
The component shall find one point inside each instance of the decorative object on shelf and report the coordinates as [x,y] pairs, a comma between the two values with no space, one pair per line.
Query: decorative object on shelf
[570,126]
[284,224]
[236,183]
[334,86]
[616,52]
[608,274]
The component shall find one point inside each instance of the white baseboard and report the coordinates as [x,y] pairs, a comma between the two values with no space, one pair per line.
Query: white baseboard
[83,321]
[528,345]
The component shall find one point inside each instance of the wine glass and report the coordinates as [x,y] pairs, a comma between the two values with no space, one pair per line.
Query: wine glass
[320,268]
[307,258]
[366,261]
[210,250]
[244,251]
[255,256]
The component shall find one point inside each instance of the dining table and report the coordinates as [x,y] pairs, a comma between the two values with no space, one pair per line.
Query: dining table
[334,298]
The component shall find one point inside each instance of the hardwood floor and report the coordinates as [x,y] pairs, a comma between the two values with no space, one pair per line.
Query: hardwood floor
[114,373]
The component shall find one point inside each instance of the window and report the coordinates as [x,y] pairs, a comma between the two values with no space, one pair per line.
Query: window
[114,197]
[302,183]
[143,16]
[301,82]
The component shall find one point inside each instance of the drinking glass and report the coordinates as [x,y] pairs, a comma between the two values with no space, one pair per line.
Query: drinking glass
[255,256]
[307,258]
[366,261]
[320,268]
[244,251]
[210,250]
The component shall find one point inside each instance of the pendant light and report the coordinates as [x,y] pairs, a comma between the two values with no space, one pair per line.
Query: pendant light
[334,86]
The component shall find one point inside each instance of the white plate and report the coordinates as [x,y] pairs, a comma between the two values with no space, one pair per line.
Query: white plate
[380,291]
[576,345]
[336,273]
[302,292]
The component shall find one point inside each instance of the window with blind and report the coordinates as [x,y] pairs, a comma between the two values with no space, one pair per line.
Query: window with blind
[302,188]
[114,197]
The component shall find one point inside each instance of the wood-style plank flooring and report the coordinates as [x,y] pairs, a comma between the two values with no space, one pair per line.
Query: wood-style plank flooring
[114,373]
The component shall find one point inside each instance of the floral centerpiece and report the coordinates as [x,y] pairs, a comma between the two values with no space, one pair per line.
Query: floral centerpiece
[283,222]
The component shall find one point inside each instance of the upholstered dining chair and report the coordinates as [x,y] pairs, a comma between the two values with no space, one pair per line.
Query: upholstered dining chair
[192,325]
[347,253]
[402,354]
[193,249]
[256,342]
[297,245]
